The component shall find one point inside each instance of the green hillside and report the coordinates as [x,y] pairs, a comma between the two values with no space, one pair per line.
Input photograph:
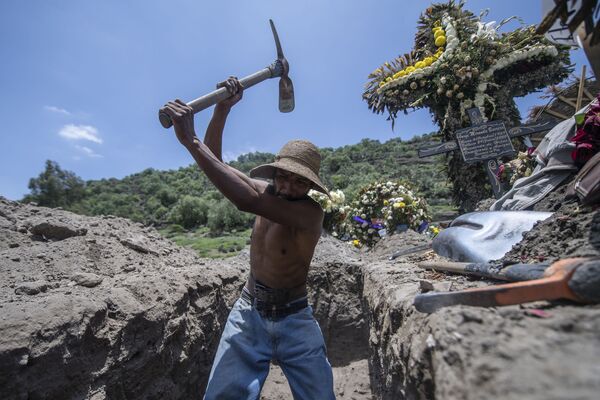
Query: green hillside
[184,198]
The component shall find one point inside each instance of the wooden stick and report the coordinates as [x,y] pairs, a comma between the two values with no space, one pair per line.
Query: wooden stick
[566,100]
[581,86]
[588,94]
[556,113]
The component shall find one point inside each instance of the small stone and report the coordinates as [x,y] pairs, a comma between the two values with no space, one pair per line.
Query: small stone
[56,230]
[32,288]
[23,360]
[138,244]
[13,245]
[15,258]
[128,268]
[425,286]
[87,279]
[430,341]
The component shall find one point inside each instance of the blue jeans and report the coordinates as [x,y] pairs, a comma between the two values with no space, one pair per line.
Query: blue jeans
[249,343]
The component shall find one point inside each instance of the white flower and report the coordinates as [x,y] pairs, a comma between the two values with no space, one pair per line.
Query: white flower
[485,31]
[481,87]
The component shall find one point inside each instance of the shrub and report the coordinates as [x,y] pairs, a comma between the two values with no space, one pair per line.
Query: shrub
[223,216]
[189,212]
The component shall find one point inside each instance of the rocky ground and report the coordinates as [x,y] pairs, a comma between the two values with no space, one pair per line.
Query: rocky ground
[103,308]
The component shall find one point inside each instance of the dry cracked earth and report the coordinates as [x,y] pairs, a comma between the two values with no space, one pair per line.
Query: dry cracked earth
[104,308]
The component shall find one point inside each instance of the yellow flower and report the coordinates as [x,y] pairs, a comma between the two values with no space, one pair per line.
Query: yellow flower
[420,64]
[356,243]
[440,41]
[400,204]
[439,33]
[385,202]
[410,69]
[397,75]
[428,61]
[436,28]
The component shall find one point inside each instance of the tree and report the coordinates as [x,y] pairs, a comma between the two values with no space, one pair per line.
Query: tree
[189,212]
[224,216]
[55,187]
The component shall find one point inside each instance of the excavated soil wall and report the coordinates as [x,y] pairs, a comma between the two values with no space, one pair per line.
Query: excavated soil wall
[103,308]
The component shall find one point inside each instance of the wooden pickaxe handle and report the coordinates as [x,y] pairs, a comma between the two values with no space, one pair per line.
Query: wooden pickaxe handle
[220,94]
[279,68]
[554,285]
[511,273]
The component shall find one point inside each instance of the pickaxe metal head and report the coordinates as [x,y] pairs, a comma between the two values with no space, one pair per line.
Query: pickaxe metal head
[286,88]
[279,68]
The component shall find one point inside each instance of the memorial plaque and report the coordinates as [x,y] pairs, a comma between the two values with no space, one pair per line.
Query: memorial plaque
[484,142]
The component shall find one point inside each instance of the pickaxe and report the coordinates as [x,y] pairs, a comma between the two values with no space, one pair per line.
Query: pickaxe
[279,68]
[576,279]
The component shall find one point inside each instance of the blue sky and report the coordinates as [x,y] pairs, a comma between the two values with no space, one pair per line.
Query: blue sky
[81,81]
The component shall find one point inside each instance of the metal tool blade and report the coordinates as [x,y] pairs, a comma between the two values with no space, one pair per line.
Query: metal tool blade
[276,37]
[286,95]
[433,301]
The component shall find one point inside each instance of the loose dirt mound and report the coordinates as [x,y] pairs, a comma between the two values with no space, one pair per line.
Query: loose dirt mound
[104,308]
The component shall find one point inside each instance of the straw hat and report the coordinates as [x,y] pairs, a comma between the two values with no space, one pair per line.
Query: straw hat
[298,156]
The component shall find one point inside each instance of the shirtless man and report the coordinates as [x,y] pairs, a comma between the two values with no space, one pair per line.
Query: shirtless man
[272,319]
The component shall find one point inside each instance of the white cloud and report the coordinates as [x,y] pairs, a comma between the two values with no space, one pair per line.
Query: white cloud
[88,152]
[80,132]
[229,156]
[57,110]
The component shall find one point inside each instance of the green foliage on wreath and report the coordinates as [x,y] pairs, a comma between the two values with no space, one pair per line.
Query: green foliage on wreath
[460,62]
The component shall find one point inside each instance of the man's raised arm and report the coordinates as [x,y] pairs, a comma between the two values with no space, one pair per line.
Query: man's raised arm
[224,177]
[213,138]
[214,132]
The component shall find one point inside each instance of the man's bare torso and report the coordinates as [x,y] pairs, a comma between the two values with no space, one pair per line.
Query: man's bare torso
[280,255]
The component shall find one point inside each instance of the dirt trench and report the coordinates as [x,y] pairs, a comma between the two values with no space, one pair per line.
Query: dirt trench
[382,348]
[335,293]
[102,308]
